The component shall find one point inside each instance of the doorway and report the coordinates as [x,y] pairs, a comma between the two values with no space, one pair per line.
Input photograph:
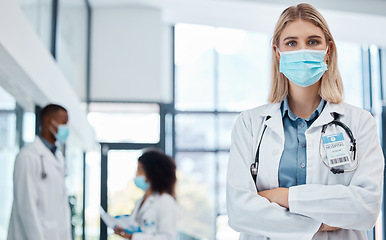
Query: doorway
[118,191]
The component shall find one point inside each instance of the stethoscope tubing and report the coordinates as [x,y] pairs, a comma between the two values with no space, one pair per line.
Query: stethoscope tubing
[254,166]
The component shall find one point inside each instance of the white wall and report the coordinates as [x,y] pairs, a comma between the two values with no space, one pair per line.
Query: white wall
[127,44]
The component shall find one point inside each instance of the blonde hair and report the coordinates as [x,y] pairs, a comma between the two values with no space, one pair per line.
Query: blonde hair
[331,87]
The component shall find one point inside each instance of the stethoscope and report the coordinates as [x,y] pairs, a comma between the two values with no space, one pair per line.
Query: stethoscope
[335,170]
[43,174]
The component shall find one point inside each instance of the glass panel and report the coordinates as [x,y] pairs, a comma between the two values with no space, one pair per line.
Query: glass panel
[379,227]
[122,192]
[195,131]
[221,181]
[8,151]
[383,72]
[74,180]
[375,82]
[195,194]
[7,101]
[226,122]
[224,231]
[350,67]
[244,67]
[135,123]
[71,48]
[93,195]
[29,120]
[39,14]
[194,69]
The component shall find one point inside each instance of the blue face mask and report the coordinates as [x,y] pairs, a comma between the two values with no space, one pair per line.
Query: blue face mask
[140,182]
[303,67]
[63,132]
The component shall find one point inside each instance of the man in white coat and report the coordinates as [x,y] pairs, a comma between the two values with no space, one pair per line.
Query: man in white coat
[40,208]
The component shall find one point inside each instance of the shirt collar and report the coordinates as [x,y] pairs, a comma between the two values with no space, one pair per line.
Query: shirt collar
[50,146]
[285,109]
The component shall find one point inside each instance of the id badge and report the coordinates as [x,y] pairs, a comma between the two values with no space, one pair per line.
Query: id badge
[336,149]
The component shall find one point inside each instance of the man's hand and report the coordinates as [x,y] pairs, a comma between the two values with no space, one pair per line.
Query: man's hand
[277,195]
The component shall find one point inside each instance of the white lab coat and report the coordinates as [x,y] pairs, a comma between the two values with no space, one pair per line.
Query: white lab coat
[40,207]
[350,201]
[157,218]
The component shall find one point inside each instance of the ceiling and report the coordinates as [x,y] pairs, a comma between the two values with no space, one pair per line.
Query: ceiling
[346,18]
[377,7]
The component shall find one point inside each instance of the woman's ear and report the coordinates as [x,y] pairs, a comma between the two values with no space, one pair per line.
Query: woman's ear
[328,53]
[276,50]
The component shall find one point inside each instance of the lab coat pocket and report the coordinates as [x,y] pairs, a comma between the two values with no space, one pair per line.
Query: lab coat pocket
[51,230]
[149,227]
[148,223]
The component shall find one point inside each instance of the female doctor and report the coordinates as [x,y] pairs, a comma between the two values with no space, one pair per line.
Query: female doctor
[317,161]
[156,212]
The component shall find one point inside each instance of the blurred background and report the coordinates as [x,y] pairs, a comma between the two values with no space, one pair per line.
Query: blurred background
[172,74]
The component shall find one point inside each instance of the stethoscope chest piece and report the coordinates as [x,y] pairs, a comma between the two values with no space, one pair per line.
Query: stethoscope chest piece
[43,174]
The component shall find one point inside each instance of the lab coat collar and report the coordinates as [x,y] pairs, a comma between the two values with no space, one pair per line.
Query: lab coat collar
[273,116]
[273,119]
[149,201]
[326,115]
[43,150]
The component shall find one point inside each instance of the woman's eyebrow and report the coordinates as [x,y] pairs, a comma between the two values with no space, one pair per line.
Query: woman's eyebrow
[314,36]
[288,38]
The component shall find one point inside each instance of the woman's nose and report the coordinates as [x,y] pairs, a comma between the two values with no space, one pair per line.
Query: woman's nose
[301,46]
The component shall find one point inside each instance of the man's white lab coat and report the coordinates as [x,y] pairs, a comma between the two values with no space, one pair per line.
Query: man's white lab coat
[40,208]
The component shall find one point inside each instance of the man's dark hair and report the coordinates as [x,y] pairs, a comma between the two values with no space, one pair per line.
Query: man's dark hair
[49,110]
[160,170]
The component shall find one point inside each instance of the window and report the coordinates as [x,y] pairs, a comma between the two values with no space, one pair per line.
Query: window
[350,67]
[9,147]
[39,14]
[120,122]
[123,129]
[218,73]
[71,45]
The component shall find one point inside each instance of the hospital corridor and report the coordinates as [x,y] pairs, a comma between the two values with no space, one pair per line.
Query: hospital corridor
[192,119]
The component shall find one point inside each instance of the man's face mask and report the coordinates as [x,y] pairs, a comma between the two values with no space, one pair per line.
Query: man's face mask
[63,131]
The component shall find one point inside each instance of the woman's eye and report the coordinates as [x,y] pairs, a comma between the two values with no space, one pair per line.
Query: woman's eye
[313,42]
[291,44]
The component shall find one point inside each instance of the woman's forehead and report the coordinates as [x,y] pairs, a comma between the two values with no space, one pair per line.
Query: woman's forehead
[301,29]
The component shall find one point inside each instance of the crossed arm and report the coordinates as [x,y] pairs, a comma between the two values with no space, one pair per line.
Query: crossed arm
[280,196]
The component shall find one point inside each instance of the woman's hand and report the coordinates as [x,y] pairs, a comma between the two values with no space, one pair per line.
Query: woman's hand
[277,195]
[121,232]
[326,228]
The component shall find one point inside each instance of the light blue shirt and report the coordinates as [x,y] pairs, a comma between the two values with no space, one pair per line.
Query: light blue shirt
[293,162]
[50,146]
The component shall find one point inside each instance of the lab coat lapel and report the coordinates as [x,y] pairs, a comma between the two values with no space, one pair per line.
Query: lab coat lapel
[275,122]
[146,205]
[47,154]
[272,145]
[326,115]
